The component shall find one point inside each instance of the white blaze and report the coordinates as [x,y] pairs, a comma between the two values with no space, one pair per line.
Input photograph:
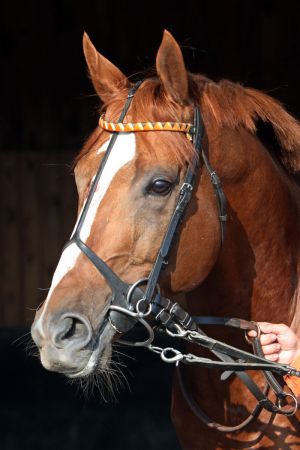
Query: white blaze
[122,152]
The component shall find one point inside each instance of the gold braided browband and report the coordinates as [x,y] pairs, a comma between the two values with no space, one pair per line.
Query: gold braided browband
[121,127]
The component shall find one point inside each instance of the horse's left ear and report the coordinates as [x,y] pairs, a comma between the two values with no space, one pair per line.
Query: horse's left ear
[171,69]
[106,77]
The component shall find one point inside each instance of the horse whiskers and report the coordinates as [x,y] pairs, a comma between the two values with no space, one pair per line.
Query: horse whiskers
[111,377]
[103,382]
[122,379]
[108,379]
[109,387]
[39,306]
[27,343]
[118,352]
[117,362]
[32,350]
[22,339]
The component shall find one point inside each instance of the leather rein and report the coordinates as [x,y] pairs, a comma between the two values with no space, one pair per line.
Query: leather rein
[130,304]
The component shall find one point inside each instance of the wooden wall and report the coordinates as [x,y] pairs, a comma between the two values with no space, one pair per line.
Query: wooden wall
[38,209]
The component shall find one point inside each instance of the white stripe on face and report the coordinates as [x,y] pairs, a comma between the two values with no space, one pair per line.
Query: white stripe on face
[122,152]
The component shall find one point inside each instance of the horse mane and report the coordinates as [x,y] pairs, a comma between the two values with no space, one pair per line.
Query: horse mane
[233,105]
[223,104]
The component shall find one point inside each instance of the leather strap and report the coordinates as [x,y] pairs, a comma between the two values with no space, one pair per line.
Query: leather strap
[222,202]
[201,415]
[231,359]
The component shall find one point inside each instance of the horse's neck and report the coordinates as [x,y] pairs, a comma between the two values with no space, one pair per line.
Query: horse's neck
[256,275]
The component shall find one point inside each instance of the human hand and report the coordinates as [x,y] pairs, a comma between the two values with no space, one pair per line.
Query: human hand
[279,343]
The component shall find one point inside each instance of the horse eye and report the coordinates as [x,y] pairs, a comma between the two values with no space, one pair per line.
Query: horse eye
[160,187]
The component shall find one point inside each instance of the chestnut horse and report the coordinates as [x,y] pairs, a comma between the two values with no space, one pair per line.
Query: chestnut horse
[253,275]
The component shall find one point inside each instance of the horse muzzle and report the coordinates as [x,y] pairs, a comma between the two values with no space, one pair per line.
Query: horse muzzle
[69,345]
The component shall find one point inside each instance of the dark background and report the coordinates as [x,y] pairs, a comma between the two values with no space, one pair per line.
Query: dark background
[46,99]
[47,109]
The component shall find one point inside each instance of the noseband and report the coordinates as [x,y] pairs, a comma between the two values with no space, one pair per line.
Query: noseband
[130,304]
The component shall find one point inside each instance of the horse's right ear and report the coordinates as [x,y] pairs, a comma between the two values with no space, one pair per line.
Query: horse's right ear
[106,77]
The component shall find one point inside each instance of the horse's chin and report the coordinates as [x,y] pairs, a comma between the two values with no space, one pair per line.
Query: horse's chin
[100,356]
[98,361]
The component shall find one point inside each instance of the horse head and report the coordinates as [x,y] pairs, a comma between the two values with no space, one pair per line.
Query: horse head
[129,211]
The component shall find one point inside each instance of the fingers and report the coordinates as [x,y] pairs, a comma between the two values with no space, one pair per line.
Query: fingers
[271,349]
[252,333]
[266,339]
[279,343]
[274,357]
[270,329]
[276,328]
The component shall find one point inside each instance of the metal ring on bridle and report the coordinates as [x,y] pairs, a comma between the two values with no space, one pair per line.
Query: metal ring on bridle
[134,286]
[141,313]
[294,410]
[143,322]
[139,302]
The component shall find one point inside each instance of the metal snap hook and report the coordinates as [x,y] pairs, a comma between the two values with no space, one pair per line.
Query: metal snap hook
[176,358]
[180,332]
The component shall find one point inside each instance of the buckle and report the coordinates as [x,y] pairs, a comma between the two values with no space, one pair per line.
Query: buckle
[186,187]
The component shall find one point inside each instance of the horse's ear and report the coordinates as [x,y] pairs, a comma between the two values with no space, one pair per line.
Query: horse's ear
[171,69]
[106,77]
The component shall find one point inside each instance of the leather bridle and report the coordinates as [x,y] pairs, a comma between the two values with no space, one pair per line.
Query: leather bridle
[130,304]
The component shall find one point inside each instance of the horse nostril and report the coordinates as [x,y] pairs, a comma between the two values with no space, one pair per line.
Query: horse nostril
[72,329]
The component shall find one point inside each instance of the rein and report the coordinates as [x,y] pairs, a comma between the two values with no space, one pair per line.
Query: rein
[130,304]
